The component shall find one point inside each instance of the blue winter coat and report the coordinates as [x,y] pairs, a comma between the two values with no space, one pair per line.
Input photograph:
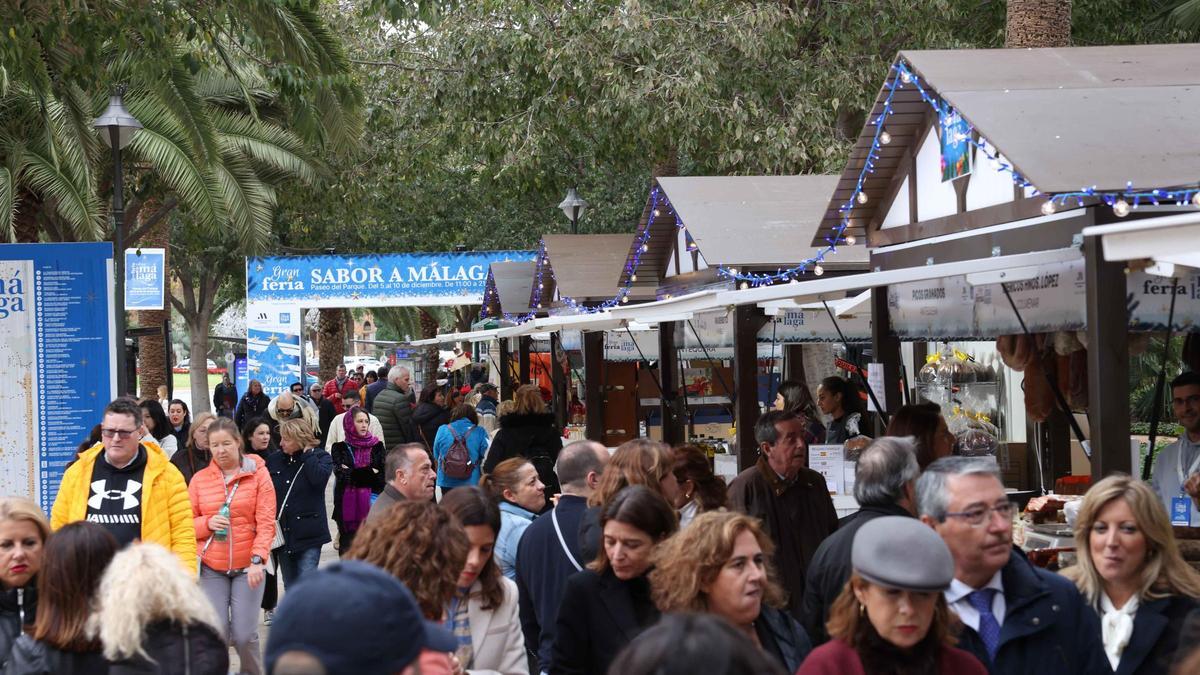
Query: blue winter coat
[513,522]
[1048,626]
[477,445]
[303,518]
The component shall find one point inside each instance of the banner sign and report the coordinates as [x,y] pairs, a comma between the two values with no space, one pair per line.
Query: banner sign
[1054,299]
[814,325]
[956,151]
[56,348]
[714,328]
[1149,300]
[937,308]
[145,282]
[373,280]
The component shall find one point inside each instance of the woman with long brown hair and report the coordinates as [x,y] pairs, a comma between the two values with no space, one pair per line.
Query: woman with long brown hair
[924,422]
[606,605]
[194,455]
[637,462]
[700,490]
[514,483]
[720,565]
[528,431]
[483,612]
[424,547]
[60,642]
[23,534]
[1133,575]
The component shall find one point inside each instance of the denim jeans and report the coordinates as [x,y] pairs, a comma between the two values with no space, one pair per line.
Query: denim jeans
[292,565]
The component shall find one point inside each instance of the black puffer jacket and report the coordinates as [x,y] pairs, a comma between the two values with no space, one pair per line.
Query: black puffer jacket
[427,418]
[16,604]
[31,657]
[174,649]
[190,461]
[534,436]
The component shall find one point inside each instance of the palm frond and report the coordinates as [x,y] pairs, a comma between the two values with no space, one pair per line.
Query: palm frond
[263,143]
[249,202]
[195,185]
[8,203]
[177,93]
[1186,15]
[76,202]
[295,33]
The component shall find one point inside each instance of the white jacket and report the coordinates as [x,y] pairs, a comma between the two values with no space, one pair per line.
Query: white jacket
[496,638]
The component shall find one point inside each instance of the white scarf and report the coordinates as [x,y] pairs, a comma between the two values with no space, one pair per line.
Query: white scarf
[1116,627]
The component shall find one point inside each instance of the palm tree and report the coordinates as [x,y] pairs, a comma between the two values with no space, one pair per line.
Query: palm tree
[1038,23]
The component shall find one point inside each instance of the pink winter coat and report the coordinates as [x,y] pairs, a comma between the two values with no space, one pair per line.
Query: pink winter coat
[251,514]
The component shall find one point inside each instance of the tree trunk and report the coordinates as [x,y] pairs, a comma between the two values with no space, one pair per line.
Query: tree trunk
[154,361]
[429,330]
[1038,23]
[198,375]
[331,342]
[25,224]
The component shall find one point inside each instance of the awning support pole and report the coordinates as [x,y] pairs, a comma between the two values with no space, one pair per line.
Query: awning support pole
[1160,384]
[866,383]
[646,364]
[593,373]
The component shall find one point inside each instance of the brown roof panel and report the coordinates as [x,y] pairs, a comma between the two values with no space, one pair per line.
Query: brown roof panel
[587,266]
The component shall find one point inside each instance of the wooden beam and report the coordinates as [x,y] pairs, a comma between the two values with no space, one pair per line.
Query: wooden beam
[885,349]
[523,361]
[793,363]
[506,370]
[747,320]
[1107,360]
[668,377]
[558,380]
[997,214]
[593,374]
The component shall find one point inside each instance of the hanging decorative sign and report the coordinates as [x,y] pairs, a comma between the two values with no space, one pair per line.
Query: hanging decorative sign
[1054,299]
[714,328]
[1148,299]
[814,325]
[145,278]
[955,139]
[937,308]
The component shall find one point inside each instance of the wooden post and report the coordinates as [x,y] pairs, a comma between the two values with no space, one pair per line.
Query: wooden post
[747,320]
[558,380]
[793,363]
[593,372]
[1108,362]
[668,377]
[885,348]
[523,361]
[505,366]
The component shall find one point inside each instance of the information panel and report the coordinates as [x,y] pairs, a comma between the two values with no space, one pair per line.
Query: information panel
[56,351]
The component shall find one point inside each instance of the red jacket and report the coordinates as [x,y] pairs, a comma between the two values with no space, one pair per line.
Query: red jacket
[334,393]
[838,658]
[251,514]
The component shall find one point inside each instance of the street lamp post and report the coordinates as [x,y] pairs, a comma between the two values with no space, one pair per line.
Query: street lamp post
[573,206]
[117,127]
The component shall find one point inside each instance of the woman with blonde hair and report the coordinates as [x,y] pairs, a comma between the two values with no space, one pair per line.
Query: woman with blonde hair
[151,617]
[608,604]
[194,455]
[300,471]
[528,431]
[719,564]
[424,547]
[23,534]
[637,462]
[1131,572]
[515,485]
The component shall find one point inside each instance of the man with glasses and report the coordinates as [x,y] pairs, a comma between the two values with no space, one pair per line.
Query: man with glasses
[127,484]
[1017,618]
[286,406]
[1176,470]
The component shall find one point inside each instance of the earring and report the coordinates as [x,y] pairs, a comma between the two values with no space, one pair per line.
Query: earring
[861,609]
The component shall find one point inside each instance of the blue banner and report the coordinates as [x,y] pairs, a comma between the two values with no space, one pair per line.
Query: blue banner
[241,375]
[145,271]
[56,351]
[374,279]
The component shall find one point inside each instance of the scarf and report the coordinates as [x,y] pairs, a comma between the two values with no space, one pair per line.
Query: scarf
[880,657]
[1116,627]
[356,500]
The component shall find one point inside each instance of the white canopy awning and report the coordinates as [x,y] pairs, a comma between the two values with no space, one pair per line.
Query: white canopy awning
[1173,239]
[679,308]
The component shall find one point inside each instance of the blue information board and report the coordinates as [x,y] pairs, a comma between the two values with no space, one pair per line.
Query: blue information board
[56,353]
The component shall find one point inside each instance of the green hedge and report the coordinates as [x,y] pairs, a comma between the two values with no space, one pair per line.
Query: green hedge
[1164,429]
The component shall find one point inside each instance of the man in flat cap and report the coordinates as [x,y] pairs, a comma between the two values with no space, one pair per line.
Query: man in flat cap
[1018,619]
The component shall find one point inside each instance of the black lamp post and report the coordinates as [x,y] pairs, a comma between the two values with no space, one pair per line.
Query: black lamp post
[573,206]
[117,127]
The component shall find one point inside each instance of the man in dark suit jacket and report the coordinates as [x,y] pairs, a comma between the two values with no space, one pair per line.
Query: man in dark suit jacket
[549,550]
[1017,618]
[884,485]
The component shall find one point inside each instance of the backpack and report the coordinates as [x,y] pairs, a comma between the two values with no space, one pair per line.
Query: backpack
[456,463]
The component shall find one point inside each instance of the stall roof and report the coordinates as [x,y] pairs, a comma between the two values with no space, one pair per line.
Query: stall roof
[756,220]
[1063,117]
[1171,239]
[512,281]
[679,308]
[583,266]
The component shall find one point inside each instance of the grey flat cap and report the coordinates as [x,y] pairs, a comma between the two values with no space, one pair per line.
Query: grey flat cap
[902,553]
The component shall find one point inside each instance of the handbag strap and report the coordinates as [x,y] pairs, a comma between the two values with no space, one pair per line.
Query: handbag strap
[563,542]
[295,479]
[228,501]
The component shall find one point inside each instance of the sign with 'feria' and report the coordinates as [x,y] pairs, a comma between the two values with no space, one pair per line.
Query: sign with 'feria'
[373,280]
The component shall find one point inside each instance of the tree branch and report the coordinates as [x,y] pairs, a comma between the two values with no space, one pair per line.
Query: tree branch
[153,220]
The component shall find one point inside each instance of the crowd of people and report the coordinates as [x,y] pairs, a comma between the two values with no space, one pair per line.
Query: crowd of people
[476,545]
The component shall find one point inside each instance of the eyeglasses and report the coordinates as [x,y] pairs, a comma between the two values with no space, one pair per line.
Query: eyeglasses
[284,411]
[978,515]
[1190,400]
[117,433]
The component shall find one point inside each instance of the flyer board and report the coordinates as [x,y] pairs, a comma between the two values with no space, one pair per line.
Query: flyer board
[57,355]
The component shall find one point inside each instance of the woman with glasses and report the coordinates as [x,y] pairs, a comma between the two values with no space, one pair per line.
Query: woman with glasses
[1132,574]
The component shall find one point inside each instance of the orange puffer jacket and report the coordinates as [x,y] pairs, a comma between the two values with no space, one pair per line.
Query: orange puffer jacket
[251,515]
